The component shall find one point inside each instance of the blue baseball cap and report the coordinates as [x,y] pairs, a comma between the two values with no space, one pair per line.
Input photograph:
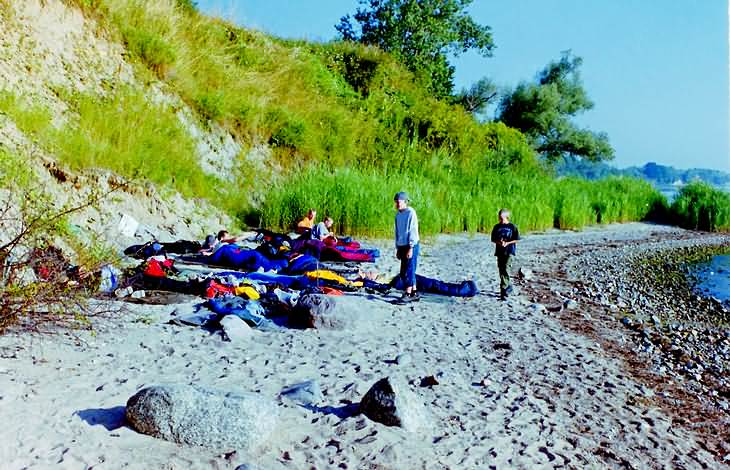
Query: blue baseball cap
[401,196]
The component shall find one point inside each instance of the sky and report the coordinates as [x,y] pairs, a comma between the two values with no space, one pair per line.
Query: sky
[657,70]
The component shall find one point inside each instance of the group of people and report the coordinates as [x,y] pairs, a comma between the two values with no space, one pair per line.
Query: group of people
[316,231]
[280,253]
[505,236]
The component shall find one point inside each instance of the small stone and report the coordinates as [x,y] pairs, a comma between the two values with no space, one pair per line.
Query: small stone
[138,294]
[390,402]
[306,393]
[646,391]
[525,274]
[403,359]
[123,292]
[429,381]
[570,304]
[485,382]
[235,329]
[537,308]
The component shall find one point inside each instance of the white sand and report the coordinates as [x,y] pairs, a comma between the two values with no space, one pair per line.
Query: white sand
[553,399]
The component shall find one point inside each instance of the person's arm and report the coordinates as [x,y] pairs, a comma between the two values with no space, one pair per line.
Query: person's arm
[515,237]
[412,232]
[395,225]
[233,240]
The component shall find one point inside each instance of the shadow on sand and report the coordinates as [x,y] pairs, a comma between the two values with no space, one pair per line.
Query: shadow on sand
[110,418]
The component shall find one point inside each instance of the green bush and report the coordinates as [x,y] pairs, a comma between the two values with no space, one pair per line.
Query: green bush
[31,224]
[699,206]
[155,51]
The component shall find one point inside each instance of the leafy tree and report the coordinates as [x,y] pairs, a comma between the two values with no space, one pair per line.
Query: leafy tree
[420,33]
[188,6]
[543,111]
[478,97]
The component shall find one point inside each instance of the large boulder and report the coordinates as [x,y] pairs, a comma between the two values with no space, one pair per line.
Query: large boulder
[325,312]
[389,401]
[188,414]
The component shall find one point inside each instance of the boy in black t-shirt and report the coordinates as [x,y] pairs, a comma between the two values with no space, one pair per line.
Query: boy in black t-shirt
[504,236]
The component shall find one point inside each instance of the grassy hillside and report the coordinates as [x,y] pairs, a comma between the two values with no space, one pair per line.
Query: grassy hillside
[347,124]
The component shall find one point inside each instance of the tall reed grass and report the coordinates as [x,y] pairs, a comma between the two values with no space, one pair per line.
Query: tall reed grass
[699,206]
[361,201]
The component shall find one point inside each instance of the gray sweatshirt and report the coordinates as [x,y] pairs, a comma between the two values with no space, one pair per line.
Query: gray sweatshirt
[406,227]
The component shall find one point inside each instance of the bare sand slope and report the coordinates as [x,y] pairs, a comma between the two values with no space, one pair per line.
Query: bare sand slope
[516,388]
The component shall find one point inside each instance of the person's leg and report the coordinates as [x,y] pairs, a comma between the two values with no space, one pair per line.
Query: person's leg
[507,269]
[403,267]
[412,264]
[503,274]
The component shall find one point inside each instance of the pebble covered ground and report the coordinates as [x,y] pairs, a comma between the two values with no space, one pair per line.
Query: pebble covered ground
[638,290]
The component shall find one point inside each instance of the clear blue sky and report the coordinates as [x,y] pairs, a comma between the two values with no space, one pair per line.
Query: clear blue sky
[657,70]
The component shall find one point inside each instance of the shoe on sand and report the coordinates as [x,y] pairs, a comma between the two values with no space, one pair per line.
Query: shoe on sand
[408,298]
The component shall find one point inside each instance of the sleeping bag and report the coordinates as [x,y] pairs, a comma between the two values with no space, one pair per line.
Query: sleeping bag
[248,260]
[434,286]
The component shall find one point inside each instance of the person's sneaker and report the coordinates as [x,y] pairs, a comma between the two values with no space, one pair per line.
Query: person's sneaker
[408,298]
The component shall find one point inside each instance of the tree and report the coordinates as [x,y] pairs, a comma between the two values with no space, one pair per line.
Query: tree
[478,97]
[543,111]
[420,33]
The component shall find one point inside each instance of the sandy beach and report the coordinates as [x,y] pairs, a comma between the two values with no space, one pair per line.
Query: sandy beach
[519,385]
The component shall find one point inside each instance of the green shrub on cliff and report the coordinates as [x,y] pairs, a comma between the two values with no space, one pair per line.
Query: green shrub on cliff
[124,132]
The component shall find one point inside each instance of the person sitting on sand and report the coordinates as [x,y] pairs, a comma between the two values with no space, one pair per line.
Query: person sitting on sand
[406,245]
[505,237]
[322,229]
[307,223]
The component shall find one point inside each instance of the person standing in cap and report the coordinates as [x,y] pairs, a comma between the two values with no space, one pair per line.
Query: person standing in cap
[406,245]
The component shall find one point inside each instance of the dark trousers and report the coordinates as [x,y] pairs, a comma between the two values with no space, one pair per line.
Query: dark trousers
[408,266]
[504,263]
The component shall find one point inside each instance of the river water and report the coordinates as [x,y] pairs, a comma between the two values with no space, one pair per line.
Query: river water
[714,278]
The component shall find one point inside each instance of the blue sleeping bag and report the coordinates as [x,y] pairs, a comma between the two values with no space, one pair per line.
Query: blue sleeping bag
[302,264]
[291,282]
[248,310]
[248,260]
[434,286]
